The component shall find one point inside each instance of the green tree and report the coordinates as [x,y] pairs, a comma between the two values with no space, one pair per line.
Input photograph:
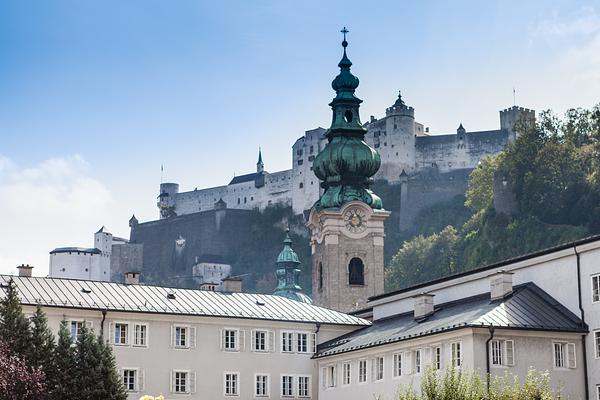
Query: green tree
[88,360]
[14,326]
[422,259]
[111,380]
[480,192]
[41,351]
[63,387]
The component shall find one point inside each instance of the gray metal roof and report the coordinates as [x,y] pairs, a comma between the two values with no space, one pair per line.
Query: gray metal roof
[75,250]
[528,307]
[95,295]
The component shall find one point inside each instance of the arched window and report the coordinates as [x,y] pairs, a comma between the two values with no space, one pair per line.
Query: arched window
[320,275]
[356,272]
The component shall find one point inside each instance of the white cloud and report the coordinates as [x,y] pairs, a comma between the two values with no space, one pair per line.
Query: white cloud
[55,203]
[582,22]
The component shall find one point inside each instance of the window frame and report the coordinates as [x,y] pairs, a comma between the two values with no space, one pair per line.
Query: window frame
[418,360]
[136,386]
[235,339]
[378,368]
[597,343]
[265,340]
[267,384]
[456,361]
[140,324]
[187,387]
[437,357]
[363,375]
[291,386]
[595,287]
[565,350]
[114,333]
[397,360]
[306,335]
[346,373]
[236,381]
[308,395]
[330,376]
[186,344]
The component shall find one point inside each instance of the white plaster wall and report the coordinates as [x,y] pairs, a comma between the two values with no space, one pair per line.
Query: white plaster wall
[79,265]
[207,359]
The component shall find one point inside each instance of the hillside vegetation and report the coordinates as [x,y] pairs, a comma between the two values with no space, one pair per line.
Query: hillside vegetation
[554,168]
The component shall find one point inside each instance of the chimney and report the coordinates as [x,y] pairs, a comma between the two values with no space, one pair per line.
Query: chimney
[232,284]
[132,278]
[501,284]
[423,305]
[25,270]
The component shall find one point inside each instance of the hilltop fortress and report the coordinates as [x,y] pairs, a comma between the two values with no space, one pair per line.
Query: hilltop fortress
[409,155]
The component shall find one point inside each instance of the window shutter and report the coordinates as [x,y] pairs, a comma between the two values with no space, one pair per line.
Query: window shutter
[192,382]
[407,363]
[241,340]
[294,342]
[571,355]
[140,380]
[426,358]
[510,352]
[271,342]
[192,343]
[172,336]
[111,333]
[324,377]
[253,340]
[373,369]
[222,340]
[313,343]
[172,381]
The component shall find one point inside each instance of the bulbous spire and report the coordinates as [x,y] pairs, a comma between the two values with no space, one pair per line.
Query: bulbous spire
[288,273]
[346,164]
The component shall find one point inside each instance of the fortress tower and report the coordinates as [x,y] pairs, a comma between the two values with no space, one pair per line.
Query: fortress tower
[346,223]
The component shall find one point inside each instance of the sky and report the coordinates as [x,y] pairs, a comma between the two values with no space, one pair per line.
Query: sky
[96,95]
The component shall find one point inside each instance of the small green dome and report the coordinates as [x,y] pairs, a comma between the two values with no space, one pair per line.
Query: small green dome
[287,254]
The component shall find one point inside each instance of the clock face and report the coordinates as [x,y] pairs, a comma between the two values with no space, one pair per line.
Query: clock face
[355,220]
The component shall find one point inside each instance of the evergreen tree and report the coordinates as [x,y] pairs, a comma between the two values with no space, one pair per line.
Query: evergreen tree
[14,326]
[88,361]
[111,380]
[63,385]
[41,353]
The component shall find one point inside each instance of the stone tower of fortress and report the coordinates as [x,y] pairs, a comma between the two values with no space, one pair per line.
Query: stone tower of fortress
[404,144]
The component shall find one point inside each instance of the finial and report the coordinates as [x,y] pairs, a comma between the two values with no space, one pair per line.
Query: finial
[344,31]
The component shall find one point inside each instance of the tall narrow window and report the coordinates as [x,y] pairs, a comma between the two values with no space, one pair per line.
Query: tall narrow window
[121,334]
[287,339]
[181,382]
[595,288]
[378,368]
[181,336]
[418,361]
[356,272]
[260,340]
[140,337]
[597,344]
[362,371]
[330,376]
[231,384]
[559,355]
[287,386]
[262,385]
[456,354]
[496,352]
[397,364]
[230,341]
[129,380]
[346,373]
[320,275]
[304,386]
[437,357]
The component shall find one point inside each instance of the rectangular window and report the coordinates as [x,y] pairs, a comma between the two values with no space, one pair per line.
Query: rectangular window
[121,333]
[362,371]
[597,343]
[330,376]
[260,340]
[181,336]
[75,329]
[559,355]
[397,365]
[140,335]
[287,386]
[418,360]
[261,388]
[231,384]
[181,382]
[302,342]
[378,369]
[230,342]
[437,358]
[595,288]
[346,373]
[287,339]
[129,380]
[496,352]
[456,355]
[303,386]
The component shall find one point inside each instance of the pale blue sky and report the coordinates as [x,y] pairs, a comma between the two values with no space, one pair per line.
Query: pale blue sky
[96,95]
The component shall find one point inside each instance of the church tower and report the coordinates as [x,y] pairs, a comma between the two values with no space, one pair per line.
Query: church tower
[346,222]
